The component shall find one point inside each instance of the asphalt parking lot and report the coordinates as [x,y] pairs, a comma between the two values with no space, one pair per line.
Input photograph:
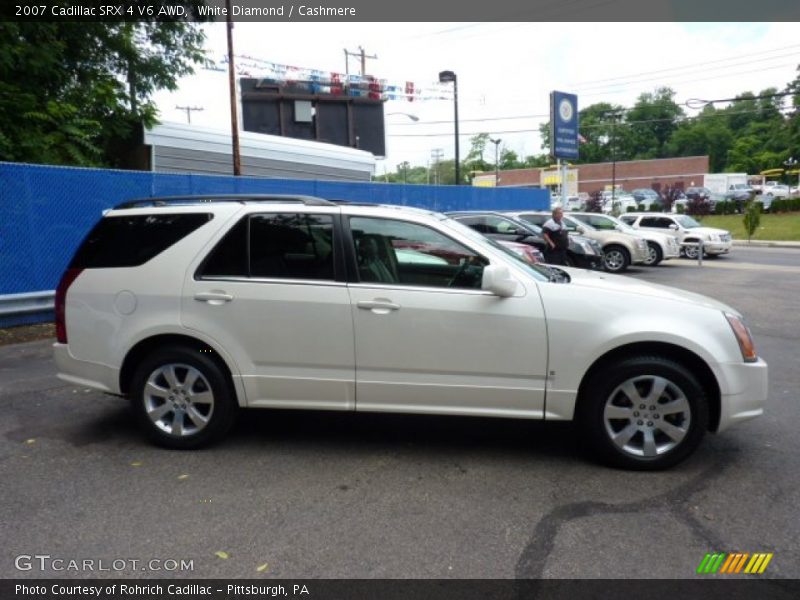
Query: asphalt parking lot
[313,494]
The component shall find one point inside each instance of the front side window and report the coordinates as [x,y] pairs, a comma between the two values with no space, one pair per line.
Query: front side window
[657,222]
[601,223]
[535,219]
[402,253]
[501,226]
[275,246]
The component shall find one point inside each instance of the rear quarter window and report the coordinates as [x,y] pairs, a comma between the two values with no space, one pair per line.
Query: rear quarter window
[130,241]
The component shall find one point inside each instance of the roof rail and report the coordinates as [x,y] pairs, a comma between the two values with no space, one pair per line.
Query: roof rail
[212,198]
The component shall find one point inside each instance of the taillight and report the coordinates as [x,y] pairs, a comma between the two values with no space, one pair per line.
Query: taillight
[67,278]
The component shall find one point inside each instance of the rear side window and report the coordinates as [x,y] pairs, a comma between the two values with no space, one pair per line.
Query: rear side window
[133,240]
[275,246]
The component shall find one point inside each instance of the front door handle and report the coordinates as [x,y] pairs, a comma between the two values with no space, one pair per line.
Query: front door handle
[379,307]
[214,298]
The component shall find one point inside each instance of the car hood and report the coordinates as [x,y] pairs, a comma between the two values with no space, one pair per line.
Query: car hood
[595,281]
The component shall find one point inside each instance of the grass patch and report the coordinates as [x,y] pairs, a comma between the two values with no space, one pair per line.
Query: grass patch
[781,227]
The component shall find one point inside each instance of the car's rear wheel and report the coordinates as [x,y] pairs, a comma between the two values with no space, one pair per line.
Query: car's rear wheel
[643,413]
[182,398]
[654,254]
[616,259]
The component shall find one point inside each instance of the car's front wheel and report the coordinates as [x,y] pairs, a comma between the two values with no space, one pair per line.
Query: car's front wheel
[643,413]
[692,249]
[654,254]
[616,259]
[182,398]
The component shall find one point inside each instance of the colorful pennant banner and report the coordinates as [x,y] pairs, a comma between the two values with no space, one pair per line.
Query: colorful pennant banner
[328,82]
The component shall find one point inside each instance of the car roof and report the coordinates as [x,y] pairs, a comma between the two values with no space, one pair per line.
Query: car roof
[163,201]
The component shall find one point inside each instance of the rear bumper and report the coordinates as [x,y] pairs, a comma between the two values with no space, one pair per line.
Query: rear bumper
[747,386]
[81,372]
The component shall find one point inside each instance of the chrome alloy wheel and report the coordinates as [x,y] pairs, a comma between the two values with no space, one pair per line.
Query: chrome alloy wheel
[652,255]
[614,260]
[178,399]
[647,416]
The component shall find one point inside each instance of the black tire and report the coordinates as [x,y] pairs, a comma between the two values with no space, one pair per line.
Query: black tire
[616,259]
[200,403]
[691,252]
[655,255]
[682,397]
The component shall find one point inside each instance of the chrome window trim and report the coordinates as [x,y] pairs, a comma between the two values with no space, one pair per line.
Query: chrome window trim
[323,282]
[421,288]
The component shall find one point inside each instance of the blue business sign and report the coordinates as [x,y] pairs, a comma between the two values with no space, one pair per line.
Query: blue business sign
[563,125]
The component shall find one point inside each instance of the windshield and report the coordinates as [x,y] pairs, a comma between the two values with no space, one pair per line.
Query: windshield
[687,222]
[573,222]
[539,272]
[620,224]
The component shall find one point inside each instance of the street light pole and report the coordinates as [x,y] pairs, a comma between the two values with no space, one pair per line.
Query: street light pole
[445,77]
[496,162]
[791,163]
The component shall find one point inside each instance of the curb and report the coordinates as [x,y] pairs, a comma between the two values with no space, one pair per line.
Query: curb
[767,244]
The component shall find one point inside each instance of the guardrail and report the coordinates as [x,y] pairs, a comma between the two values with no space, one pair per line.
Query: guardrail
[13,305]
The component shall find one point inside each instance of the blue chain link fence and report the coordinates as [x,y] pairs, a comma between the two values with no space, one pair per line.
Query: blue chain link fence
[45,211]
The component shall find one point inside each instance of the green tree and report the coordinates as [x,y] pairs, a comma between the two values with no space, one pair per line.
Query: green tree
[752,218]
[650,125]
[69,92]
[708,133]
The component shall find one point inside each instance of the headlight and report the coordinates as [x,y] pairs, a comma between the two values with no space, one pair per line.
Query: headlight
[744,338]
[587,247]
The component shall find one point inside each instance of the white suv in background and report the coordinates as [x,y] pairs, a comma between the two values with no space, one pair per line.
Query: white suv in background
[659,246]
[195,307]
[685,229]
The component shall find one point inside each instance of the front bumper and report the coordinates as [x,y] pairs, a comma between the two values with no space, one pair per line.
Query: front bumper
[746,392]
[717,247]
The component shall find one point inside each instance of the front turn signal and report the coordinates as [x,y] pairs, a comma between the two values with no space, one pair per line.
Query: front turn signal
[744,338]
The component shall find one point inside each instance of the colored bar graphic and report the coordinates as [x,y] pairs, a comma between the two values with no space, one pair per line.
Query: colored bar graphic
[726,568]
[721,562]
[765,563]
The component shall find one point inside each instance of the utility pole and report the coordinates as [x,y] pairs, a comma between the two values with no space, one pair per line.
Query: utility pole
[237,161]
[362,54]
[437,154]
[189,110]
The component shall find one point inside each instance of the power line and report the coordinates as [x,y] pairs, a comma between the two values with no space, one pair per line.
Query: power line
[721,113]
[690,72]
[707,62]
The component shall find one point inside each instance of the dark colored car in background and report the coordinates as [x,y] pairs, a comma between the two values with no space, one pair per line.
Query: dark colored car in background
[647,197]
[697,193]
[582,252]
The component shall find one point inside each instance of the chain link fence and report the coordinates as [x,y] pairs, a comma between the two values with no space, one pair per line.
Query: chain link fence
[45,211]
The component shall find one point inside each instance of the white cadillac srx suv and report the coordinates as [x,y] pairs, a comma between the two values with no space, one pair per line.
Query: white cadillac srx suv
[196,306]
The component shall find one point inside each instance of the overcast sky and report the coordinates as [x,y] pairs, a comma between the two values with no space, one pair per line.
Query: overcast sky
[505,70]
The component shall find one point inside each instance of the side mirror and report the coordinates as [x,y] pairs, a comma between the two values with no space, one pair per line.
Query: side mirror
[497,280]
[673,226]
[581,230]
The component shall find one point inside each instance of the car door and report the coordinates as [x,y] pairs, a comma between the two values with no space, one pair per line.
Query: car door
[269,293]
[430,340]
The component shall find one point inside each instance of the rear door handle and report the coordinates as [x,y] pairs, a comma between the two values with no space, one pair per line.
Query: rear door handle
[379,307]
[215,298]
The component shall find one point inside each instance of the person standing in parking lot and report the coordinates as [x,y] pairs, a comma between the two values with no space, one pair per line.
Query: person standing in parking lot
[557,238]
